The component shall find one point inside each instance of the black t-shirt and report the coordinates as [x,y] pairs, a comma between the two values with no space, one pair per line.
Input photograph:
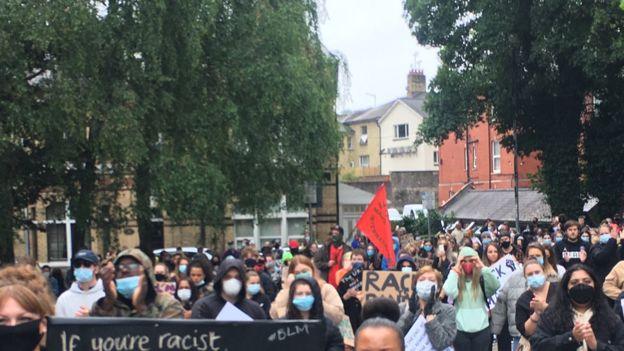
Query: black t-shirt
[523,309]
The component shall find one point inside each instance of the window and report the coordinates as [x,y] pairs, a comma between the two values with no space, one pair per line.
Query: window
[496,158]
[364,130]
[474,156]
[436,160]
[364,161]
[351,164]
[350,143]
[401,131]
[56,231]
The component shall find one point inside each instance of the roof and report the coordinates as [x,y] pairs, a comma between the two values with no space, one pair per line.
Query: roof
[498,204]
[350,195]
[375,113]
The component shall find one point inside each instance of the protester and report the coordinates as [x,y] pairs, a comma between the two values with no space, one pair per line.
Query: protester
[255,292]
[328,258]
[491,254]
[200,273]
[229,286]
[78,300]
[579,317]
[379,334]
[57,281]
[373,259]
[406,264]
[554,271]
[345,266]
[440,326]
[613,285]
[351,302]
[305,303]
[571,249]
[504,312]
[427,250]
[187,293]
[22,318]
[129,286]
[231,251]
[470,284]
[381,307]
[182,268]
[301,267]
[603,255]
[533,302]
[442,261]
[507,247]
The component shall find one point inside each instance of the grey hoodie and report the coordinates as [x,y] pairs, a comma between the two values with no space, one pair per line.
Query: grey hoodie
[73,299]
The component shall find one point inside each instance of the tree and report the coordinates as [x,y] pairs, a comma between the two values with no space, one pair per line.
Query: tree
[527,65]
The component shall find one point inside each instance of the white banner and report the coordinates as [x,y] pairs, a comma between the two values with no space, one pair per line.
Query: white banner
[417,339]
[502,269]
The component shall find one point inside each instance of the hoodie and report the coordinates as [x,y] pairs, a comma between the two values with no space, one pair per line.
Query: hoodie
[209,306]
[73,299]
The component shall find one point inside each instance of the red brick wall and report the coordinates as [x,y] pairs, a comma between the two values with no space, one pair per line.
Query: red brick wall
[453,174]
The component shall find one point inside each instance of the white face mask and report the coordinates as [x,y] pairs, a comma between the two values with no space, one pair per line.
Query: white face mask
[423,289]
[406,269]
[184,294]
[232,287]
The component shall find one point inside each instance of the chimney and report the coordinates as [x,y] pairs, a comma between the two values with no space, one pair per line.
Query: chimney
[416,82]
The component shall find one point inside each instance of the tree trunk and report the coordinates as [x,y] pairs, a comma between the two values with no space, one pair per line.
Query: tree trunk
[7,234]
[142,188]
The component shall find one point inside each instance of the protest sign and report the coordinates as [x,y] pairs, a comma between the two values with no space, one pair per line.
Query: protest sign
[346,330]
[124,334]
[417,339]
[166,287]
[231,313]
[353,279]
[420,262]
[394,285]
[406,239]
[375,225]
[502,269]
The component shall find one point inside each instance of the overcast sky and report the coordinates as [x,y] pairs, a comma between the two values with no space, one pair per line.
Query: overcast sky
[374,38]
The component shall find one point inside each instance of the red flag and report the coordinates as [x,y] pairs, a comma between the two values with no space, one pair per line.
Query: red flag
[375,224]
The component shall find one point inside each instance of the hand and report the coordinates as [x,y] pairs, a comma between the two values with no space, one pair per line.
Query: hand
[290,279]
[187,314]
[538,306]
[82,312]
[107,274]
[360,296]
[566,256]
[588,335]
[431,317]
[457,267]
[331,263]
[583,255]
[577,332]
[478,263]
[138,297]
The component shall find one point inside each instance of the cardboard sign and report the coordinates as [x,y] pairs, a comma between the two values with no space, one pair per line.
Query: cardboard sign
[166,287]
[502,269]
[406,239]
[417,339]
[353,279]
[394,285]
[346,330]
[142,334]
[421,262]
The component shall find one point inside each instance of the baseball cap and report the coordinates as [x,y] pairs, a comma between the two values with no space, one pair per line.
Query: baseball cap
[86,255]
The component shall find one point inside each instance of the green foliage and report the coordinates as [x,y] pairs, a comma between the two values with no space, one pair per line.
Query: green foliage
[418,226]
[531,66]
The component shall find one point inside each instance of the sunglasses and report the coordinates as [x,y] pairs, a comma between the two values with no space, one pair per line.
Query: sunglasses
[85,264]
[130,267]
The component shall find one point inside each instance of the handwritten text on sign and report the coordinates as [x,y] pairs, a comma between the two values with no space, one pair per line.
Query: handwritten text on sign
[502,269]
[125,334]
[394,285]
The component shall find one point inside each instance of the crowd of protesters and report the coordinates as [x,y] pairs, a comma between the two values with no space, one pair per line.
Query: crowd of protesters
[567,295]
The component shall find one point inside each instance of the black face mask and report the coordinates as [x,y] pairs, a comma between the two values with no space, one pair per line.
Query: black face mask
[582,293]
[505,244]
[160,277]
[22,337]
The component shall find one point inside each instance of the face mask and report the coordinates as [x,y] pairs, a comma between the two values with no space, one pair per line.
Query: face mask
[304,303]
[427,248]
[232,287]
[370,253]
[585,238]
[182,268]
[423,289]
[540,260]
[126,286]
[253,289]
[604,238]
[83,274]
[200,283]
[160,277]
[250,262]
[46,274]
[486,241]
[303,275]
[184,294]
[357,265]
[22,337]
[558,239]
[406,269]
[581,293]
[337,240]
[536,281]
[547,242]
[505,244]
[467,267]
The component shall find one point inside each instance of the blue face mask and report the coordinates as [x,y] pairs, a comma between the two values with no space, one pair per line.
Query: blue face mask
[585,238]
[536,281]
[604,238]
[127,286]
[83,274]
[253,289]
[558,239]
[486,241]
[357,265]
[303,275]
[540,260]
[427,248]
[182,268]
[547,242]
[304,303]
[370,253]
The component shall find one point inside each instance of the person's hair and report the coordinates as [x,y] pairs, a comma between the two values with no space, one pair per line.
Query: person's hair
[25,260]
[194,290]
[358,252]
[561,314]
[301,259]
[248,251]
[252,273]
[430,269]
[381,307]
[345,256]
[26,298]
[205,266]
[317,307]
[30,278]
[476,287]
[550,258]
[162,264]
[378,323]
[571,223]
